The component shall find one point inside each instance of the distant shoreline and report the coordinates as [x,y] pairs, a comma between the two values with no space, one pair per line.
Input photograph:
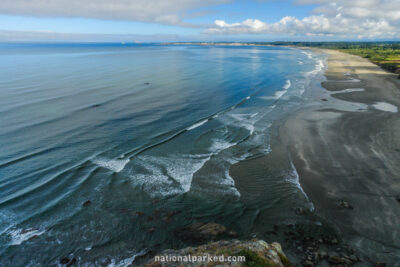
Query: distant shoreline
[384,54]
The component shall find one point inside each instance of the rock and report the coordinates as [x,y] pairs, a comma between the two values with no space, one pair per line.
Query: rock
[232,233]
[146,83]
[201,232]
[151,230]
[380,264]
[324,99]
[308,264]
[323,254]
[139,213]
[87,203]
[398,199]
[212,229]
[334,241]
[72,262]
[300,211]
[256,253]
[353,258]
[64,260]
[336,260]
[168,217]
[157,214]
[345,204]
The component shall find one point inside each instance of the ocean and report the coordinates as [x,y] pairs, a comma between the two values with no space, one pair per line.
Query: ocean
[109,150]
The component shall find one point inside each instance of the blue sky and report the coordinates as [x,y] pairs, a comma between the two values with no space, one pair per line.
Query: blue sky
[208,20]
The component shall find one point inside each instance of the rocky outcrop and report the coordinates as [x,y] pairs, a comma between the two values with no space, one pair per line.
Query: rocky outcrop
[256,253]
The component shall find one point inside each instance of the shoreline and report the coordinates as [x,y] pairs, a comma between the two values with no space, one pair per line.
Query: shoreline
[344,145]
[346,151]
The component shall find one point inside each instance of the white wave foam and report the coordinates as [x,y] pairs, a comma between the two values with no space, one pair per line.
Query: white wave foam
[349,90]
[294,179]
[219,145]
[279,94]
[352,80]
[385,107]
[163,171]
[253,115]
[115,165]
[308,54]
[229,181]
[126,262]
[194,126]
[18,236]
[245,121]
[318,67]
[287,85]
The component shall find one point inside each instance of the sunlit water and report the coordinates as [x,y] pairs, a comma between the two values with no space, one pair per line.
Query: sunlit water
[147,134]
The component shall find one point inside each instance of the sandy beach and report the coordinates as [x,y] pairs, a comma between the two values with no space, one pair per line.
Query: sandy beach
[346,149]
[344,145]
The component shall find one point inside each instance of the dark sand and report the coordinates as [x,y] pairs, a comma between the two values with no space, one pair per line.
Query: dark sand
[344,149]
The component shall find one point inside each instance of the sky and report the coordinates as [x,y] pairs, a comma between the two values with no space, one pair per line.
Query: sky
[198,20]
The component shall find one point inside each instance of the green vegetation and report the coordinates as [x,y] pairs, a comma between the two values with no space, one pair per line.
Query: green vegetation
[253,259]
[284,260]
[384,54]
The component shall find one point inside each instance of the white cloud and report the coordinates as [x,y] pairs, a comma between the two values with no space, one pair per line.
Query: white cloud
[46,36]
[170,12]
[342,18]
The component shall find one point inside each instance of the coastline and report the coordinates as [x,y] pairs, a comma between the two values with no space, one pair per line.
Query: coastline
[346,149]
[343,144]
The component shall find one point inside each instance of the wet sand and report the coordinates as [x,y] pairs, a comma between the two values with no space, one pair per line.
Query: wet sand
[345,146]
[352,155]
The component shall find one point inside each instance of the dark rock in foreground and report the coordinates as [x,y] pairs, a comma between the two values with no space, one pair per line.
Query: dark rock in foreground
[256,253]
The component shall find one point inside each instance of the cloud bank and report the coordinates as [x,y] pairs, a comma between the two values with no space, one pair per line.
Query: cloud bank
[341,18]
[344,19]
[42,36]
[169,12]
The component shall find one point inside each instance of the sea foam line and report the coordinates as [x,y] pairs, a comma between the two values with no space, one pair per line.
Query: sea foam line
[128,261]
[295,179]
[160,171]
[198,124]
[279,94]
[115,165]
[308,54]
[349,90]
[18,236]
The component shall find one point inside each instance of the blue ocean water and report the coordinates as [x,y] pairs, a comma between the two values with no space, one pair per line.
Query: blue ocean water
[100,142]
